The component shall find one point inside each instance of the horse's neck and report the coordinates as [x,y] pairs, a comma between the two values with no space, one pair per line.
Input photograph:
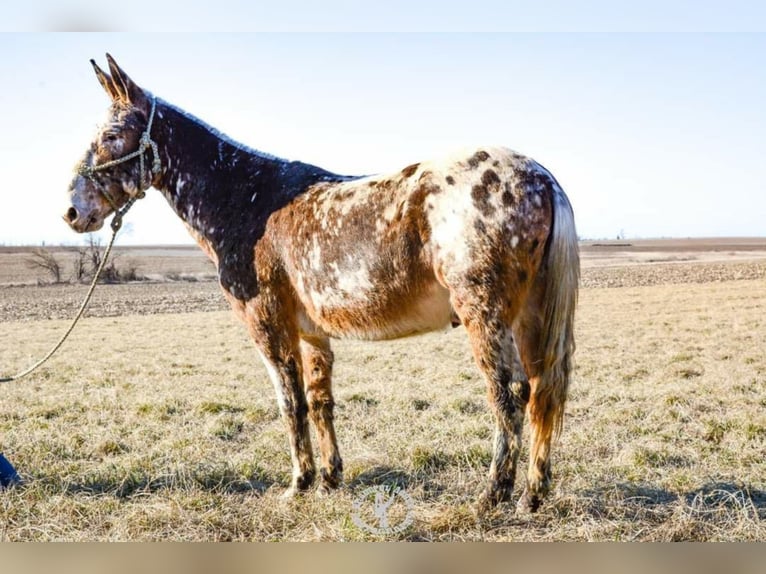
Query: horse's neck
[207,178]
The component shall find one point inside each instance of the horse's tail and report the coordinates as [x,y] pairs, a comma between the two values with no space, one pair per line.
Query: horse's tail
[561,276]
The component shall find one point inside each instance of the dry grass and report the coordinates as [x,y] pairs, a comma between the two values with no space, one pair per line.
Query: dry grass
[165,427]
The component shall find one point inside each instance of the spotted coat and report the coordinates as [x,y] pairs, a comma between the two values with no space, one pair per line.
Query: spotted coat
[483,239]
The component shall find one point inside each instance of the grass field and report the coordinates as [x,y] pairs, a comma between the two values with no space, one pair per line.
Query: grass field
[156,421]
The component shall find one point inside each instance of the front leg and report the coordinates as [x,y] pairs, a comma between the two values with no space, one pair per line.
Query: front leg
[284,372]
[275,336]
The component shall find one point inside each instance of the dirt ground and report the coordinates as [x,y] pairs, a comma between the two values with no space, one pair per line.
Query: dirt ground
[181,279]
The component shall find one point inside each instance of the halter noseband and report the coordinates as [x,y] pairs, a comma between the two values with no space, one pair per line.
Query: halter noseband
[144,142]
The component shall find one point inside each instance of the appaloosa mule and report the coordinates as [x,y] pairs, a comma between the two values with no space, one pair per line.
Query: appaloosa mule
[485,239]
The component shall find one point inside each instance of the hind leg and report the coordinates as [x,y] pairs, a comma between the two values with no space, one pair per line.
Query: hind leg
[541,431]
[544,408]
[494,348]
[317,379]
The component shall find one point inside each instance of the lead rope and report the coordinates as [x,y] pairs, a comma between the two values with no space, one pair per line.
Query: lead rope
[116,224]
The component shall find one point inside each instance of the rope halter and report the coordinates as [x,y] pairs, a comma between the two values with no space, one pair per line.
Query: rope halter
[145,142]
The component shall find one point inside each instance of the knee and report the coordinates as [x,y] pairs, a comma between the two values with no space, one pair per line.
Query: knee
[520,390]
[515,387]
[318,367]
[320,403]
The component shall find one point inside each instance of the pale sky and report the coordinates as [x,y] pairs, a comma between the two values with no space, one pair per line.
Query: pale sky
[650,134]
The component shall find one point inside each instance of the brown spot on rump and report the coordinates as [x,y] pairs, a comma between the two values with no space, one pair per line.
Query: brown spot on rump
[477,158]
[508,198]
[530,181]
[481,199]
[491,179]
[450,180]
[410,169]
[479,226]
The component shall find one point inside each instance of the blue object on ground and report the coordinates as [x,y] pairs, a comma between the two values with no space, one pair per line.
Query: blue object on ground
[8,474]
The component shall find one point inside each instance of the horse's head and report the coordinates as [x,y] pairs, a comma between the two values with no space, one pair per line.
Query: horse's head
[112,171]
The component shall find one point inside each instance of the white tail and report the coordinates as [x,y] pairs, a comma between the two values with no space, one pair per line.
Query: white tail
[562,275]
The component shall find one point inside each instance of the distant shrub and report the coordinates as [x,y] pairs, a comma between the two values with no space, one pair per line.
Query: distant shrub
[43,259]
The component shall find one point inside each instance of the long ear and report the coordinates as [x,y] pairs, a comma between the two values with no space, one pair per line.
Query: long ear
[128,90]
[105,81]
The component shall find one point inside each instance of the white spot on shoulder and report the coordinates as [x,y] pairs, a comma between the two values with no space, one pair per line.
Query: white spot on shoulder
[514,241]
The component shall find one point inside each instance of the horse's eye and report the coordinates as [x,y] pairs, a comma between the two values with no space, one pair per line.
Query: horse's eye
[111,137]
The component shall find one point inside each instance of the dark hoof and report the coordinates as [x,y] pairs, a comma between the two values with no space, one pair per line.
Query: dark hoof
[492,496]
[528,503]
[330,480]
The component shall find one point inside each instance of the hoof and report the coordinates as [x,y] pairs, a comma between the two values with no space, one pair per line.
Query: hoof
[329,481]
[484,506]
[492,496]
[528,503]
[300,484]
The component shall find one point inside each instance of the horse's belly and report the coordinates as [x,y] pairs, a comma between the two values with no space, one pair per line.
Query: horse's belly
[374,315]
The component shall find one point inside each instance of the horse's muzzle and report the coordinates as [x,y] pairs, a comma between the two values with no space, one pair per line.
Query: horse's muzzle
[82,224]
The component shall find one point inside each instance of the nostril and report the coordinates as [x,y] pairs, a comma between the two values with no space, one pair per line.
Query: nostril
[71,215]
